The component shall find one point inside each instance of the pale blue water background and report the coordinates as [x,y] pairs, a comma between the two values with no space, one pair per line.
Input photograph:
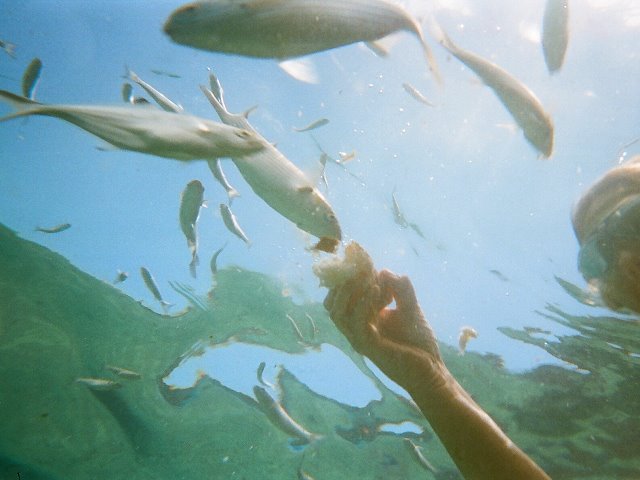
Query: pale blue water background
[473,184]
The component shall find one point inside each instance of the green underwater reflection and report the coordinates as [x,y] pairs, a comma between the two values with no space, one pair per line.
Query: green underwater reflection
[58,323]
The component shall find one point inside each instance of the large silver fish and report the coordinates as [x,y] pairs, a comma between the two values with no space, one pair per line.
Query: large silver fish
[521,102]
[555,33]
[281,184]
[190,203]
[146,130]
[288,28]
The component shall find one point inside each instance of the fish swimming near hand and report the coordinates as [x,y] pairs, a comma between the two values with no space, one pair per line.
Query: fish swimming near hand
[521,102]
[151,284]
[191,200]
[218,173]
[57,229]
[281,418]
[231,222]
[146,130]
[398,216]
[30,78]
[282,185]
[284,29]
[555,33]
[160,98]
[416,451]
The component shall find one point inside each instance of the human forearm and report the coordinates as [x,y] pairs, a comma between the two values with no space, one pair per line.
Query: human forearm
[480,449]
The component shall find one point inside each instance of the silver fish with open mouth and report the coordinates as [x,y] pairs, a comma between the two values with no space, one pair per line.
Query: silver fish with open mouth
[282,185]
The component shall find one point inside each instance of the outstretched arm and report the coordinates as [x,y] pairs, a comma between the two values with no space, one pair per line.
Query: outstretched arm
[401,343]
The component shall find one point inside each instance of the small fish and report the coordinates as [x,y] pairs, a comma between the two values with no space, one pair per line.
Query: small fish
[416,451]
[30,78]
[466,334]
[160,98]
[398,216]
[216,169]
[123,372]
[146,130]
[555,33]
[98,384]
[281,419]
[58,228]
[313,125]
[191,200]
[214,260]
[231,222]
[415,93]
[281,184]
[127,93]
[150,282]
[166,74]
[9,48]
[121,277]
[284,29]
[521,102]
[296,329]
[259,373]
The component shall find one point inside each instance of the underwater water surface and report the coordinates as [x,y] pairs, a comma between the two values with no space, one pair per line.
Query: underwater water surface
[488,243]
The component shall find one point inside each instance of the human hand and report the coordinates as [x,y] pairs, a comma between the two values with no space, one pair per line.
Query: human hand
[398,340]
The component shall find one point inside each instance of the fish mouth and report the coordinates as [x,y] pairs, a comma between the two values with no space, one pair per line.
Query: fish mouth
[327,244]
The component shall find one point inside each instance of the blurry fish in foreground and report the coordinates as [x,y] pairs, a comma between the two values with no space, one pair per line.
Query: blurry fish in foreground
[285,29]
[466,334]
[146,130]
[281,419]
[120,277]
[150,282]
[275,179]
[555,33]
[98,384]
[30,78]
[123,372]
[9,48]
[160,98]
[231,222]
[58,228]
[521,102]
[313,125]
[127,93]
[606,221]
[191,200]
[216,169]
[416,94]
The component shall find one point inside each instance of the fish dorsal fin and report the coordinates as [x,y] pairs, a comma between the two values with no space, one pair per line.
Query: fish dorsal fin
[249,111]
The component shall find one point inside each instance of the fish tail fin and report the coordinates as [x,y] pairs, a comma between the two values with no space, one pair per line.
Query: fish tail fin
[216,87]
[431,60]
[214,101]
[22,105]
[232,193]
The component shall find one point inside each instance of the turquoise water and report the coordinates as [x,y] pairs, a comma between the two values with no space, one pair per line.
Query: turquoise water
[497,250]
